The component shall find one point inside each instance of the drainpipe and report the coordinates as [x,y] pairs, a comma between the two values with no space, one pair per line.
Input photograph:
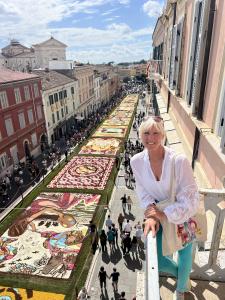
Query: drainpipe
[206,59]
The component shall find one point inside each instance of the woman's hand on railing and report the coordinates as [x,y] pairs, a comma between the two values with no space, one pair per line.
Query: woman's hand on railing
[153,211]
[151,224]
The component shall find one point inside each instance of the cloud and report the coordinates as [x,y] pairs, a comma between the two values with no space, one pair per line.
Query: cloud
[153,8]
[32,22]
[108,12]
[117,53]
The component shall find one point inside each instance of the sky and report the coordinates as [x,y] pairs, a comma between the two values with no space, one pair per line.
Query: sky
[95,31]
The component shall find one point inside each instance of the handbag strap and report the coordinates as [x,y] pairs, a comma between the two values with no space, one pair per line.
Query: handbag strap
[173,180]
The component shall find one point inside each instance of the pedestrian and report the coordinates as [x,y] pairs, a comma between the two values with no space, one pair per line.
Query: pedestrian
[127,227]
[102,275]
[122,296]
[125,243]
[66,155]
[108,222]
[124,202]
[126,177]
[94,242]
[83,295]
[138,234]
[115,231]
[111,239]
[152,170]
[120,221]
[103,240]
[129,203]
[115,278]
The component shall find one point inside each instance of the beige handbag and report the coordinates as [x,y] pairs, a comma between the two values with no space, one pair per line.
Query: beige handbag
[175,237]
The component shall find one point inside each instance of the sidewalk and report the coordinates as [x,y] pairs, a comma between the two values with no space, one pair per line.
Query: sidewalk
[129,265]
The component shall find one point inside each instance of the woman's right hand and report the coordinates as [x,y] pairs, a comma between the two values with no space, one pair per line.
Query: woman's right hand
[151,224]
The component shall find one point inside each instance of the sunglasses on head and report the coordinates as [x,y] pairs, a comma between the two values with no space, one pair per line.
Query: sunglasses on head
[155,118]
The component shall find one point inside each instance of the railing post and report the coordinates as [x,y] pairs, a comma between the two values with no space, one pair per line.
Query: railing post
[217,234]
[152,273]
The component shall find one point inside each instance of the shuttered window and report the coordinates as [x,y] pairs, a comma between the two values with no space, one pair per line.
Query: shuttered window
[172,56]
[195,51]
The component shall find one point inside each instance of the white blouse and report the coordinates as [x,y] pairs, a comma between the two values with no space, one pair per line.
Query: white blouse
[149,190]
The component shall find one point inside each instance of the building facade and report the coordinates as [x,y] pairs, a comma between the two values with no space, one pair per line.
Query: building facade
[193,80]
[22,120]
[60,102]
[17,57]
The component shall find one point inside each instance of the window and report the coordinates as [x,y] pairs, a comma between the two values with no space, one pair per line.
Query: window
[27,93]
[9,126]
[0,136]
[39,112]
[66,110]
[53,118]
[56,97]
[62,112]
[17,95]
[51,99]
[34,139]
[22,120]
[57,113]
[3,100]
[72,90]
[73,106]
[36,90]
[80,99]
[3,161]
[65,93]
[30,116]
[60,95]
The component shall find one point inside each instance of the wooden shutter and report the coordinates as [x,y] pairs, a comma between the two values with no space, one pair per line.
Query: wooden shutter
[192,51]
[172,56]
[178,52]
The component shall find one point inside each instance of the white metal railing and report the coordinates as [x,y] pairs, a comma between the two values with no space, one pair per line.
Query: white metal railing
[152,273]
[214,200]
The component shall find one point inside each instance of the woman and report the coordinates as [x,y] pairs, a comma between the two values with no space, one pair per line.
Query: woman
[152,168]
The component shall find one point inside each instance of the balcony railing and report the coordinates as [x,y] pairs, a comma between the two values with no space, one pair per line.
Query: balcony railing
[206,265]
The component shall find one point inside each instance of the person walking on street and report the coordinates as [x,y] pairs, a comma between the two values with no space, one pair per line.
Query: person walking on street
[103,240]
[129,202]
[120,221]
[127,227]
[102,275]
[115,278]
[111,239]
[83,295]
[108,222]
[115,231]
[124,202]
[126,177]
[122,296]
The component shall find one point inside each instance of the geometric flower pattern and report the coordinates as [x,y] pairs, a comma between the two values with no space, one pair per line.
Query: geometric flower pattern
[84,172]
[101,146]
[111,131]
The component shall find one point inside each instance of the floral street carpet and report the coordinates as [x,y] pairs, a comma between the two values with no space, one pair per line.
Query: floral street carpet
[101,146]
[111,131]
[45,239]
[84,172]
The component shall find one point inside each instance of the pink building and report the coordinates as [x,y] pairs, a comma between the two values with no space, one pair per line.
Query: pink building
[22,124]
[189,38]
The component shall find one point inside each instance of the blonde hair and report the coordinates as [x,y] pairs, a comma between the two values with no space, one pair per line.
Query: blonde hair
[149,123]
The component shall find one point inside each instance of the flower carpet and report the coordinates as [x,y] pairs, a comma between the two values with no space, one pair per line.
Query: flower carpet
[116,120]
[101,146]
[45,239]
[84,172]
[121,113]
[111,131]
[9,293]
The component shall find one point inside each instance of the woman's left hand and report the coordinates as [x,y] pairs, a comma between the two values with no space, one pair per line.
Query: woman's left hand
[153,211]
